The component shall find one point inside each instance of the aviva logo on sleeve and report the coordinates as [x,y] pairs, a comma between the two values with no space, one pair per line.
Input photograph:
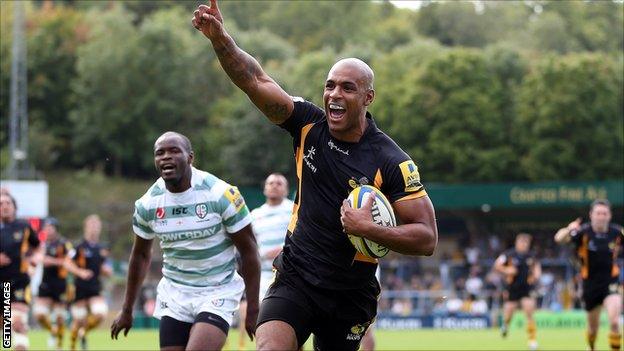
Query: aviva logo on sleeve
[411,177]
[235,197]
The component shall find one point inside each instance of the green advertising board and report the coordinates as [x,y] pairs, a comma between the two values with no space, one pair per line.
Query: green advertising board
[524,195]
[550,319]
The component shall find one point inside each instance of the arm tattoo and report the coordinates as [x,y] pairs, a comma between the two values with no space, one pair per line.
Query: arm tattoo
[242,68]
[276,112]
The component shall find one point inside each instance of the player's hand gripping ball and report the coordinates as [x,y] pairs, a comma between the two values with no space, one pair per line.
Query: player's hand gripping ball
[382,213]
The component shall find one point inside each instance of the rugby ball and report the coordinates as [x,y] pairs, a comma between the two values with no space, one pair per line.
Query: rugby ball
[383,214]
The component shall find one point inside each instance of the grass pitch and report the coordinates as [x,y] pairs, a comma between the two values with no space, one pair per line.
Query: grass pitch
[423,339]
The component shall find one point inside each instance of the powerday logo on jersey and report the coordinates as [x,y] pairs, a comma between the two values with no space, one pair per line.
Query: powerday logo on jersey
[411,177]
[160,213]
[201,210]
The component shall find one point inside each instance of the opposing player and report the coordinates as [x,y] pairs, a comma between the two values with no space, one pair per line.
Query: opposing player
[521,270]
[598,244]
[89,307]
[270,224]
[19,248]
[51,304]
[322,285]
[201,221]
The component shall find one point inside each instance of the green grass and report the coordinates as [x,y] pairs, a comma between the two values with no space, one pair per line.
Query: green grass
[424,339]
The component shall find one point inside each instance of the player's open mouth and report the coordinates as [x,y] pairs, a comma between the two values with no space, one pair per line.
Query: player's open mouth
[167,169]
[336,111]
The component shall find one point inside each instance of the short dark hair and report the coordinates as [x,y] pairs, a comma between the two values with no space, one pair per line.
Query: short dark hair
[186,143]
[603,202]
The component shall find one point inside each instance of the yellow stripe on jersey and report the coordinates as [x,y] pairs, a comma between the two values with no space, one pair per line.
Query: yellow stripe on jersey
[378,179]
[416,195]
[24,250]
[299,160]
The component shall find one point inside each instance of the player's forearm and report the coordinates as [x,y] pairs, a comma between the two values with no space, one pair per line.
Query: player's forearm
[241,67]
[409,239]
[562,236]
[250,271]
[71,266]
[137,270]
[51,261]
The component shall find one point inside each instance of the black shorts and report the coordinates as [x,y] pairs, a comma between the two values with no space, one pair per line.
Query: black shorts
[516,293]
[82,293]
[57,292]
[594,292]
[337,318]
[177,333]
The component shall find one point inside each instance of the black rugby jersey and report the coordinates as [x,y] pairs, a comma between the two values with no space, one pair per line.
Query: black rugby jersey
[598,252]
[90,256]
[17,240]
[327,170]
[58,248]
[524,263]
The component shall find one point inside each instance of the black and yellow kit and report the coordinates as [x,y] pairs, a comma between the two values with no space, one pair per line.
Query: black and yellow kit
[522,283]
[54,281]
[598,253]
[18,240]
[319,269]
[90,256]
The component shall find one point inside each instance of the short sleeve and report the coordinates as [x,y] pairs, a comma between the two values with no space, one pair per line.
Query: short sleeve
[304,113]
[235,214]
[140,222]
[403,181]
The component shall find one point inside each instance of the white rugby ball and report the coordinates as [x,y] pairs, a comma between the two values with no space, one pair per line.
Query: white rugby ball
[383,214]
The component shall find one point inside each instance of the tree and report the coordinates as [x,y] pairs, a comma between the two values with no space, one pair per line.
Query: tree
[571,110]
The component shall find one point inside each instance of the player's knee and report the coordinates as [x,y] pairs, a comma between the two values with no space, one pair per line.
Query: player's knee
[59,313]
[19,321]
[79,312]
[99,308]
[20,341]
[41,310]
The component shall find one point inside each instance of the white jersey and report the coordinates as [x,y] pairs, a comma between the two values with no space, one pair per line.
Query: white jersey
[270,224]
[193,228]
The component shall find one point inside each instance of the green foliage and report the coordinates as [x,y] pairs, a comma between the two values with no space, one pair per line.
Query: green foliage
[572,113]
[106,78]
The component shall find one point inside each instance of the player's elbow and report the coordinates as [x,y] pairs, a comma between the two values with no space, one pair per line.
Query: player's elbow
[429,248]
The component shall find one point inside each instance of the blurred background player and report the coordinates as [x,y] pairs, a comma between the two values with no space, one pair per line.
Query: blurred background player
[521,270]
[598,244]
[51,303]
[89,307]
[19,249]
[201,222]
[269,224]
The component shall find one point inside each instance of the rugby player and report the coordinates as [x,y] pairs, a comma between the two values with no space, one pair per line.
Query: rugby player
[201,221]
[89,307]
[521,270]
[598,244]
[323,286]
[269,223]
[19,249]
[51,303]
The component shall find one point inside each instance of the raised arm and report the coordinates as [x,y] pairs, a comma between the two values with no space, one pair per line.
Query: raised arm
[563,234]
[241,67]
